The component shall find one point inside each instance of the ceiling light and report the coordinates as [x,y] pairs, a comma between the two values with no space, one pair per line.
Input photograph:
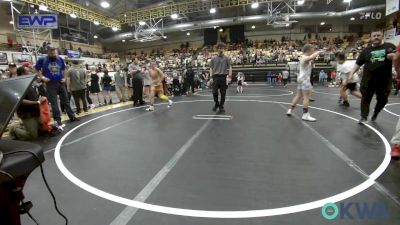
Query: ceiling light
[213,10]
[73,15]
[165,37]
[32,6]
[114,28]
[346,1]
[352,18]
[123,40]
[322,23]
[95,37]
[174,16]
[96,23]
[288,24]
[141,40]
[105,4]
[254,5]
[125,15]
[11,22]
[221,30]
[184,25]
[253,27]
[188,33]
[43,8]
[300,2]
[142,23]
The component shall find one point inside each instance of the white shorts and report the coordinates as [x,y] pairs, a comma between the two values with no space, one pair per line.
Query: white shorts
[304,85]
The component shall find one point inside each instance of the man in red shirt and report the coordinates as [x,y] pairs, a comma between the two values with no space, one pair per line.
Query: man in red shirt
[10,41]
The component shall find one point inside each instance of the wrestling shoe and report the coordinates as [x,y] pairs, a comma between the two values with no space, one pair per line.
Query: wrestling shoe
[395,153]
[74,119]
[214,109]
[170,102]
[362,120]
[289,112]
[221,109]
[307,117]
[150,108]
[374,116]
[346,104]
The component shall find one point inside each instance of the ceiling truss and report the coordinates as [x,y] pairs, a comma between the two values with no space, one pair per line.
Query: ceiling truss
[153,14]
[187,7]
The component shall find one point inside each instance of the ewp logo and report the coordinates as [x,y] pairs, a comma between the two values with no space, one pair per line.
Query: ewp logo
[361,211]
[48,21]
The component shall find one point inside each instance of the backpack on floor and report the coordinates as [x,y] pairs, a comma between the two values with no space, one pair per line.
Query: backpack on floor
[45,116]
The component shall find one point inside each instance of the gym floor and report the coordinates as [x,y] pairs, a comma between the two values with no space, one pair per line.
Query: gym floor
[252,158]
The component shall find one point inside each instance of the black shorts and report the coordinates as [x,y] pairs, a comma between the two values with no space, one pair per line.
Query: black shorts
[351,86]
[240,83]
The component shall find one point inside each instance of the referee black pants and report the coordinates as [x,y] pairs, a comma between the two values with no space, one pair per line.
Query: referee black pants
[219,84]
[382,93]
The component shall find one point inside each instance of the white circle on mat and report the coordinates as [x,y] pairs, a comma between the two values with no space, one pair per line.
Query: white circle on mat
[226,214]
[388,111]
[254,96]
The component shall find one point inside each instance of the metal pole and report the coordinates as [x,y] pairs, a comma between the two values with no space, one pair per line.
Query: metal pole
[12,14]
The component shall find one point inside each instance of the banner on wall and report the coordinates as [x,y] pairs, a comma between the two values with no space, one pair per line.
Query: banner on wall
[390,33]
[19,58]
[392,6]
[69,34]
[231,34]
[38,21]
[73,54]
[3,58]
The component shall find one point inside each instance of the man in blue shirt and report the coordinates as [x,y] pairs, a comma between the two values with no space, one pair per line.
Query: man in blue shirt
[322,77]
[52,68]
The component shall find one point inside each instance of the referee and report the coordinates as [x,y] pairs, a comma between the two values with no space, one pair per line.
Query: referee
[220,68]
[377,75]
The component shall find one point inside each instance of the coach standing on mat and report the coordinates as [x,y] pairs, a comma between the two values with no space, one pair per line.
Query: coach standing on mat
[53,68]
[377,76]
[220,68]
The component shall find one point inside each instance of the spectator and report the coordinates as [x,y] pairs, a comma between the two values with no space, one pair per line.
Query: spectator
[106,83]
[285,77]
[189,80]
[12,70]
[120,83]
[10,41]
[94,85]
[76,85]
[322,77]
[28,112]
[53,67]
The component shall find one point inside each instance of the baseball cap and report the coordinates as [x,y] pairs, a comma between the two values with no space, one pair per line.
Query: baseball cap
[50,47]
